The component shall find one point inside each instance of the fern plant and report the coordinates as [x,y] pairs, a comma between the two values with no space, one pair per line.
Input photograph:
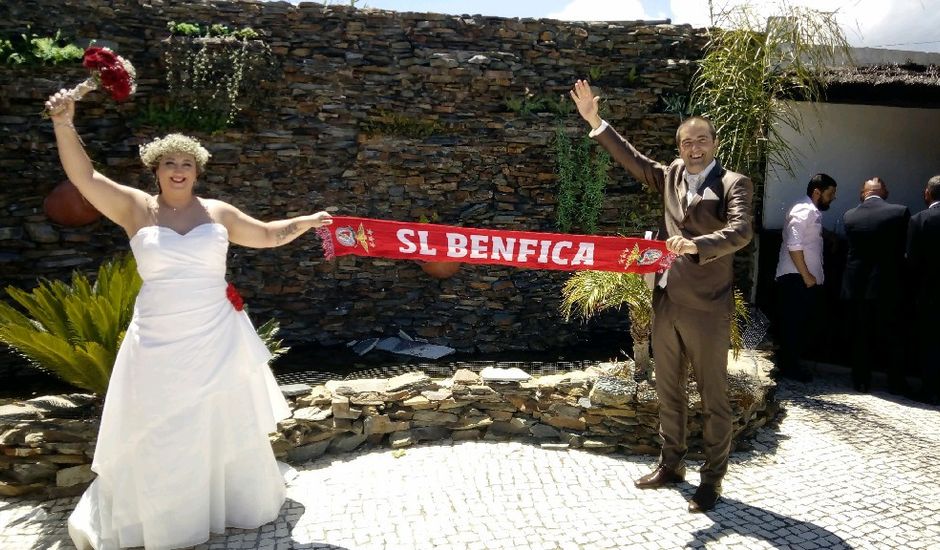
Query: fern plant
[74,330]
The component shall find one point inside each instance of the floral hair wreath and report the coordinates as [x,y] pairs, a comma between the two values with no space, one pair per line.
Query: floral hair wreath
[151,153]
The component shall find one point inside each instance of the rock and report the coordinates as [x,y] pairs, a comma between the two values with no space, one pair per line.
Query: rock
[543,431]
[312,414]
[466,377]
[16,490]
[75,475]
[411,382]
[294,390]
[382,424]
[309,452]
[430,418]
[27,473]
[346,442]
[612,391]
[515,426]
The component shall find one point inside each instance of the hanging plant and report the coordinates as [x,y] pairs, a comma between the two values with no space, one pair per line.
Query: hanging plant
[212,73]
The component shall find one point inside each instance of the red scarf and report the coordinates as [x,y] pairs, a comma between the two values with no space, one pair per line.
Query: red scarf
[445,243]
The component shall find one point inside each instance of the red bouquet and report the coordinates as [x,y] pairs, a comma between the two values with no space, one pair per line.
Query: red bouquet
[109,71]
[112,72]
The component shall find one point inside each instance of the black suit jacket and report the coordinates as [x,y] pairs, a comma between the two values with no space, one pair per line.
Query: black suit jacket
[876,231]
[923,256]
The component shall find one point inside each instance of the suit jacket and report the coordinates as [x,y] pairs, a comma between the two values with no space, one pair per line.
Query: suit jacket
[718,220]
[876,231]
[923,256]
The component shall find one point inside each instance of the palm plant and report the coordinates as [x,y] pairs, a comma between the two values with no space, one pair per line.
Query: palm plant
[750,67]
[74,330]
[589,292]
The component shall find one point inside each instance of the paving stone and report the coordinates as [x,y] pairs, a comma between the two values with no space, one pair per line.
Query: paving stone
[840,470]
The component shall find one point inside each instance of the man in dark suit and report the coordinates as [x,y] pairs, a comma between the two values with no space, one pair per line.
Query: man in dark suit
[871,283]
[707,219]
[923,257]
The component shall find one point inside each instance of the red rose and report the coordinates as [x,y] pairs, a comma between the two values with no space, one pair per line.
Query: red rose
[116,82]
[234,297]
[99,58]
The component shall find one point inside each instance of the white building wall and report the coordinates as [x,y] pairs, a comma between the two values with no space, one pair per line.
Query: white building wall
[853,143]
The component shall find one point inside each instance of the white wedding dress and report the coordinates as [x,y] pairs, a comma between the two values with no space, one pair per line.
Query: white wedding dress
[183,448]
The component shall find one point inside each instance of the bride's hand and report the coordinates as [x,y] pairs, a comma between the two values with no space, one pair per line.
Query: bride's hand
[321,218]
[60,106]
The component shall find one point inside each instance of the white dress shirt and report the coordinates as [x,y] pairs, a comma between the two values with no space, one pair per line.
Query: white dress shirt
[802,231]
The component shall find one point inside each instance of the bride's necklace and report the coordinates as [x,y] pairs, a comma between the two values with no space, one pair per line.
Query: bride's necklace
[176,209]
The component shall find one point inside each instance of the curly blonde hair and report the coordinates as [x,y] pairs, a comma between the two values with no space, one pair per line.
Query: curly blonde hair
[151,153]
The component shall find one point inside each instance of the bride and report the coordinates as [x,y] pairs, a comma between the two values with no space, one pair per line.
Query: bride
[182,450]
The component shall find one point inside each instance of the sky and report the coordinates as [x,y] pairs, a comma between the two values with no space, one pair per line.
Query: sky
[894,24]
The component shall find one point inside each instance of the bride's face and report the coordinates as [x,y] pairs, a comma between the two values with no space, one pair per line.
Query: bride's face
[177,172]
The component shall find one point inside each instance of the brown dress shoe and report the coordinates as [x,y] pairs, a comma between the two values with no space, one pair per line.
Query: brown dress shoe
[705,497]
[663,475]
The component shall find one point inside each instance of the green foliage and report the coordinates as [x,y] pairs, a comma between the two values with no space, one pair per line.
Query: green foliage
[74,331]
[268,334]
[184,29]
[595,73]
[587,293]
[216,29]
[175,116]
[395,124]
[640,212]
[212,73]
[741,318]
[526,105]
[582,179]
[32,49]
[562,106]
[632,78]
[748,70]
[677,104]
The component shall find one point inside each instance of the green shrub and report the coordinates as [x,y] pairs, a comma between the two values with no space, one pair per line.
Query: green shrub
[582,171]
[32,49]
[74,331]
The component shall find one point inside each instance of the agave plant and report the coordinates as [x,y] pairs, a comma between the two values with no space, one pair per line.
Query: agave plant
[590,292]
[74,330]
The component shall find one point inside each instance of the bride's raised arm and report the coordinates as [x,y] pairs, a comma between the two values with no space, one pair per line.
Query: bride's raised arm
[121,204]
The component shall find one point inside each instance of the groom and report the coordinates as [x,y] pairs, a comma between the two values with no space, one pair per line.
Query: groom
[707,219]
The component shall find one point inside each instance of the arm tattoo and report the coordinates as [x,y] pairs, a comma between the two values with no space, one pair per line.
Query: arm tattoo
[287,231]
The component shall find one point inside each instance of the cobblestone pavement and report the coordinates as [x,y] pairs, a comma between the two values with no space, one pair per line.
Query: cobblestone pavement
[841,470]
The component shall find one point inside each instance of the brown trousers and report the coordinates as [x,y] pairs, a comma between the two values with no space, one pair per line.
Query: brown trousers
[683,335]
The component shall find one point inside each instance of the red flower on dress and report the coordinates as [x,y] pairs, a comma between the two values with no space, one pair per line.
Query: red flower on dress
[234,297]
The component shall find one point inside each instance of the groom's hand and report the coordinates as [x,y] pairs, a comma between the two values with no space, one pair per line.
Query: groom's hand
[586,102]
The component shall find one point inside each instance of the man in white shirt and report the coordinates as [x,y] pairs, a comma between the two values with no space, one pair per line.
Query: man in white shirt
[800,275]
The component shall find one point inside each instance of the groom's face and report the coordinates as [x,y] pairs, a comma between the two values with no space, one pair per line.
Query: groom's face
[696,146]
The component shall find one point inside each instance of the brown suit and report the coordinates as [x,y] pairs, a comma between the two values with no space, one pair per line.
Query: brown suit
[692,314]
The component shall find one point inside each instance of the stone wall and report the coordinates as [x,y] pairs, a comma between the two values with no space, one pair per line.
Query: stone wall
[584,409]
[308,146]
